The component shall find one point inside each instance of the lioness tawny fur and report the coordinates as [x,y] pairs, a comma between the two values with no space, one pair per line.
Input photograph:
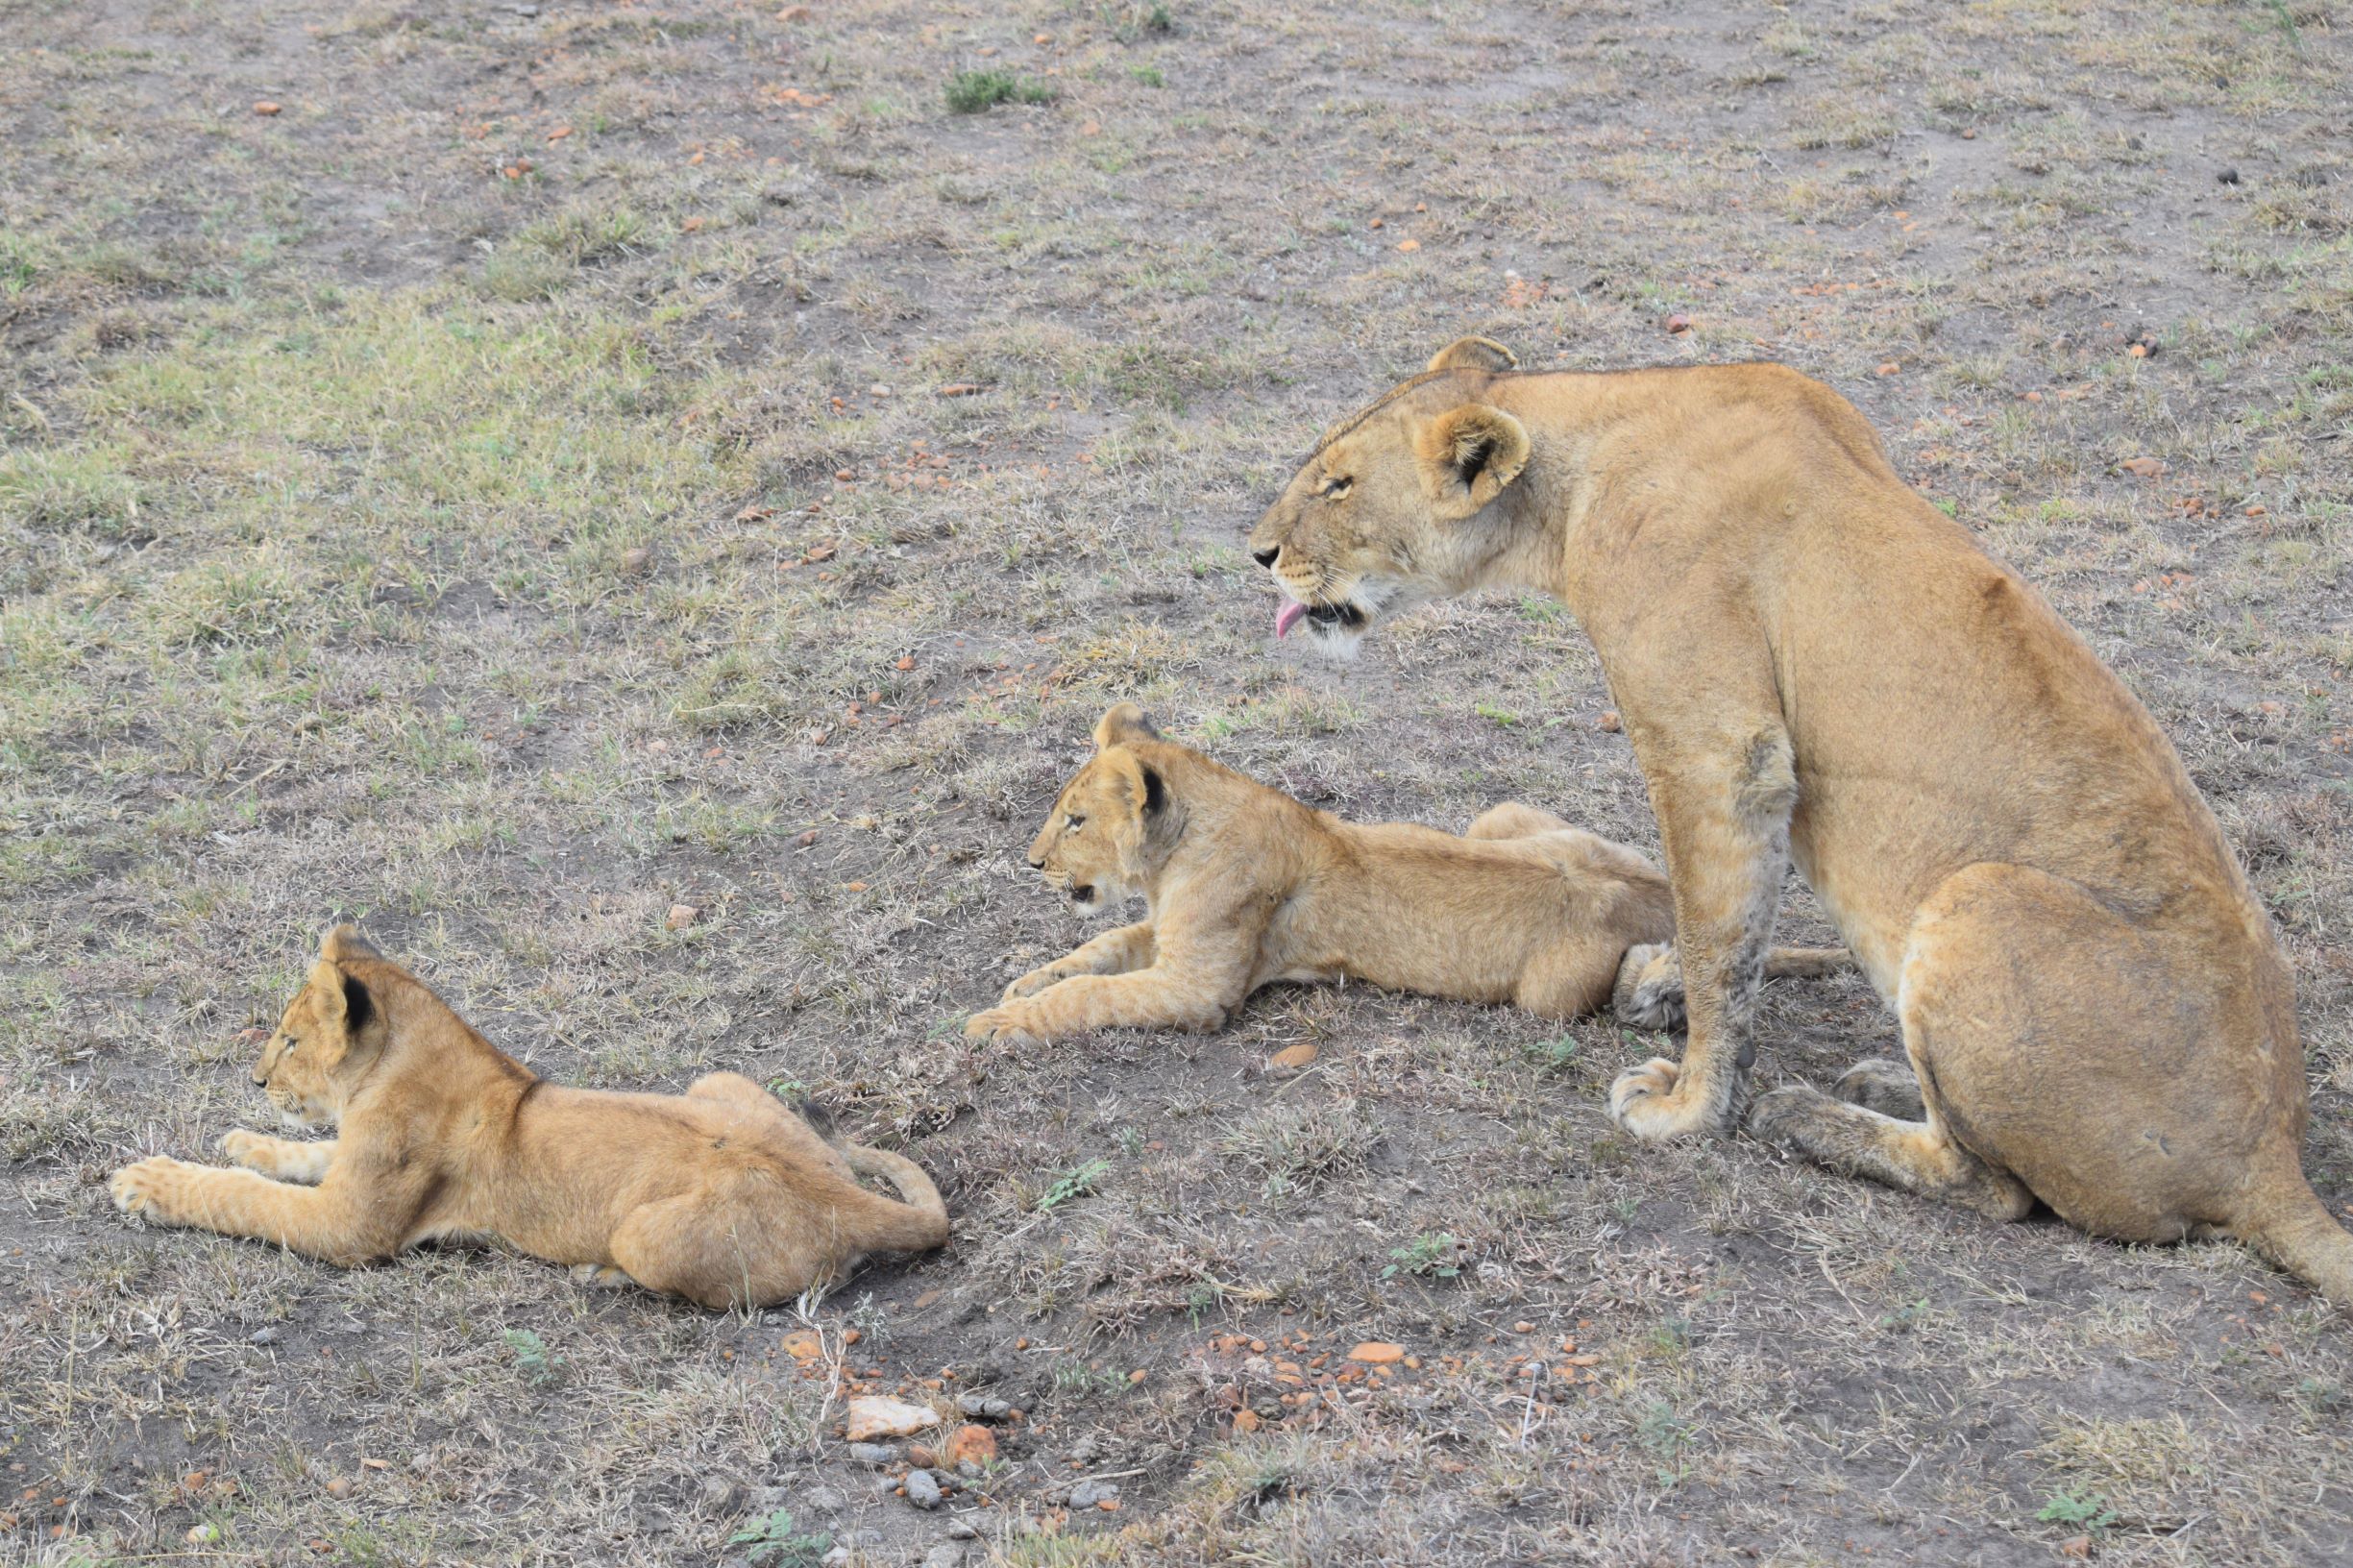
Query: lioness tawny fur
[1815,666]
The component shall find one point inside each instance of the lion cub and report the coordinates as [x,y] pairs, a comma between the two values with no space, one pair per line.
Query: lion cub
[722,1195]
[1245,886]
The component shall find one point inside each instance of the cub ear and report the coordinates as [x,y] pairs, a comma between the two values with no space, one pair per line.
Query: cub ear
[1124,723]
[345,941]
[1467,455]
[326,988]
[1474,353]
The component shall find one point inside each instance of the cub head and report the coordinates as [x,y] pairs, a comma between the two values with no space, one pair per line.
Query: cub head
[1092,844]
[331,1030]
[1386,513]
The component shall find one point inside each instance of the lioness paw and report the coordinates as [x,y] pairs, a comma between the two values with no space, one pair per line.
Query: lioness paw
[1647,1102]
[146,1188]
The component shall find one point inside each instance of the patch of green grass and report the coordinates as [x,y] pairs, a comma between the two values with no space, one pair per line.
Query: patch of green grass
[1150,75]
[2088,1511]
[1072,1185]
[976,92]
[1434,1255]
[771,1541]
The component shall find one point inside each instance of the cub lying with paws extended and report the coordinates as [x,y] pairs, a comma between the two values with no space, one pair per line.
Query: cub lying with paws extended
[1245,886]
[722,1195]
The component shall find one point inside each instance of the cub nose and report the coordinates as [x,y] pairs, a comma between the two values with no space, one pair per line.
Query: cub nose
[261,1079]
[1266,557]
[1036,864]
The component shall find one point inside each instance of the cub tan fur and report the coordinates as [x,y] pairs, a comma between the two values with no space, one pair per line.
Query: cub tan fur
[1245,886]
[722,1195]
[1817,666]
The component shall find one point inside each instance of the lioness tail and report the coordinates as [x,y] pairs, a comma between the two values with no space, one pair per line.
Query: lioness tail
[2306,1240]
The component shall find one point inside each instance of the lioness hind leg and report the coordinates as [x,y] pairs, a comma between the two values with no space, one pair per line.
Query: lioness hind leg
[1889,1088]
[717,1248]
[1568,981]
[1918,1156]
[783,1122]
[1513,820]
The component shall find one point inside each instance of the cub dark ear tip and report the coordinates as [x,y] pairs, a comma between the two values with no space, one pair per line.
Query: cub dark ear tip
[358,1004]
[1155,792]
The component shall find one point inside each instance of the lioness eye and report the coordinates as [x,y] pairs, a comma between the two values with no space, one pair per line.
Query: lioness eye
[1077,823]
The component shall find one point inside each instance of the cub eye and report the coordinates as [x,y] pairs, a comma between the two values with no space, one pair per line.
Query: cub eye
[1075,823]
[292,1046]
[1337,487]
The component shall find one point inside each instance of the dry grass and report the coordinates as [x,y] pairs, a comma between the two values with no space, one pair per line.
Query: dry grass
[385,536]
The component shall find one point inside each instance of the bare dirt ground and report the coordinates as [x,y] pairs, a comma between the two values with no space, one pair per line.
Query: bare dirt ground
[571,460]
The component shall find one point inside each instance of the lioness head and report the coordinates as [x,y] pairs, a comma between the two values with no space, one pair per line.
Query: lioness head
[1092,844]
[331,1028]
[1387,512]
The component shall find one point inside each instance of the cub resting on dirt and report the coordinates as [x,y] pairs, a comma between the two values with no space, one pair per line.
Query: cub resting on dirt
[1246,886]
[722,1195]
[1815,664]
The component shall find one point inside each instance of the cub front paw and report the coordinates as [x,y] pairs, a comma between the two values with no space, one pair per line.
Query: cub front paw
[149,1188]
[1648,1101]
[1036,981]
[255,1151]
[1014,1022]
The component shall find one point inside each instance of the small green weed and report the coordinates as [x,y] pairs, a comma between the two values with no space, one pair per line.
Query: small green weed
[2090,1511]
[976,92]
[1075,1184]
[1434,1256]
[771,1541]
[535,1360]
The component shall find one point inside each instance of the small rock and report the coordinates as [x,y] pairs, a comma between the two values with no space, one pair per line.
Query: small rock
[2076,1546]
[971,1469]
[1088,1449]
[682,916]
[873,1454]
[720,1495]
[265,108]
[945,1555]
[635,558]
[802,1345]
[877,1415]
[1091,1494]
[922,1491]
[340,1486]
[838,1557]
[1377,1353]
[419,1462]
[1292,1058]
[2228,177]
[973,1404]
[264,1336]
[1678,323]
[971,1445]
[816,1502]
[1609,723]
[998,1409]
[961,1530]
[880,390]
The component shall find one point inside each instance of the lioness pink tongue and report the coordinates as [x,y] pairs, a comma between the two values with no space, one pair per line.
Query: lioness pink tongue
[1288,616]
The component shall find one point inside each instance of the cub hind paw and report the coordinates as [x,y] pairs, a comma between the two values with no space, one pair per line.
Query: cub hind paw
[1650,990]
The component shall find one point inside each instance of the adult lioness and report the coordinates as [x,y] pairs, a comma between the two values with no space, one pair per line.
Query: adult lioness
[1814,663]
[722,1195]
[1246,886]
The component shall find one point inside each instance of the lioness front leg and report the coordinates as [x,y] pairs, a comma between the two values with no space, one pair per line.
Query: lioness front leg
[327,1222]
[280,1157]
[1724,822]
[1113,952]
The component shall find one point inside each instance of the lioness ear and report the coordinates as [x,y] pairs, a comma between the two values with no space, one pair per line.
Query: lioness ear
[1474,353]
[1467,455]
[1124,723]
